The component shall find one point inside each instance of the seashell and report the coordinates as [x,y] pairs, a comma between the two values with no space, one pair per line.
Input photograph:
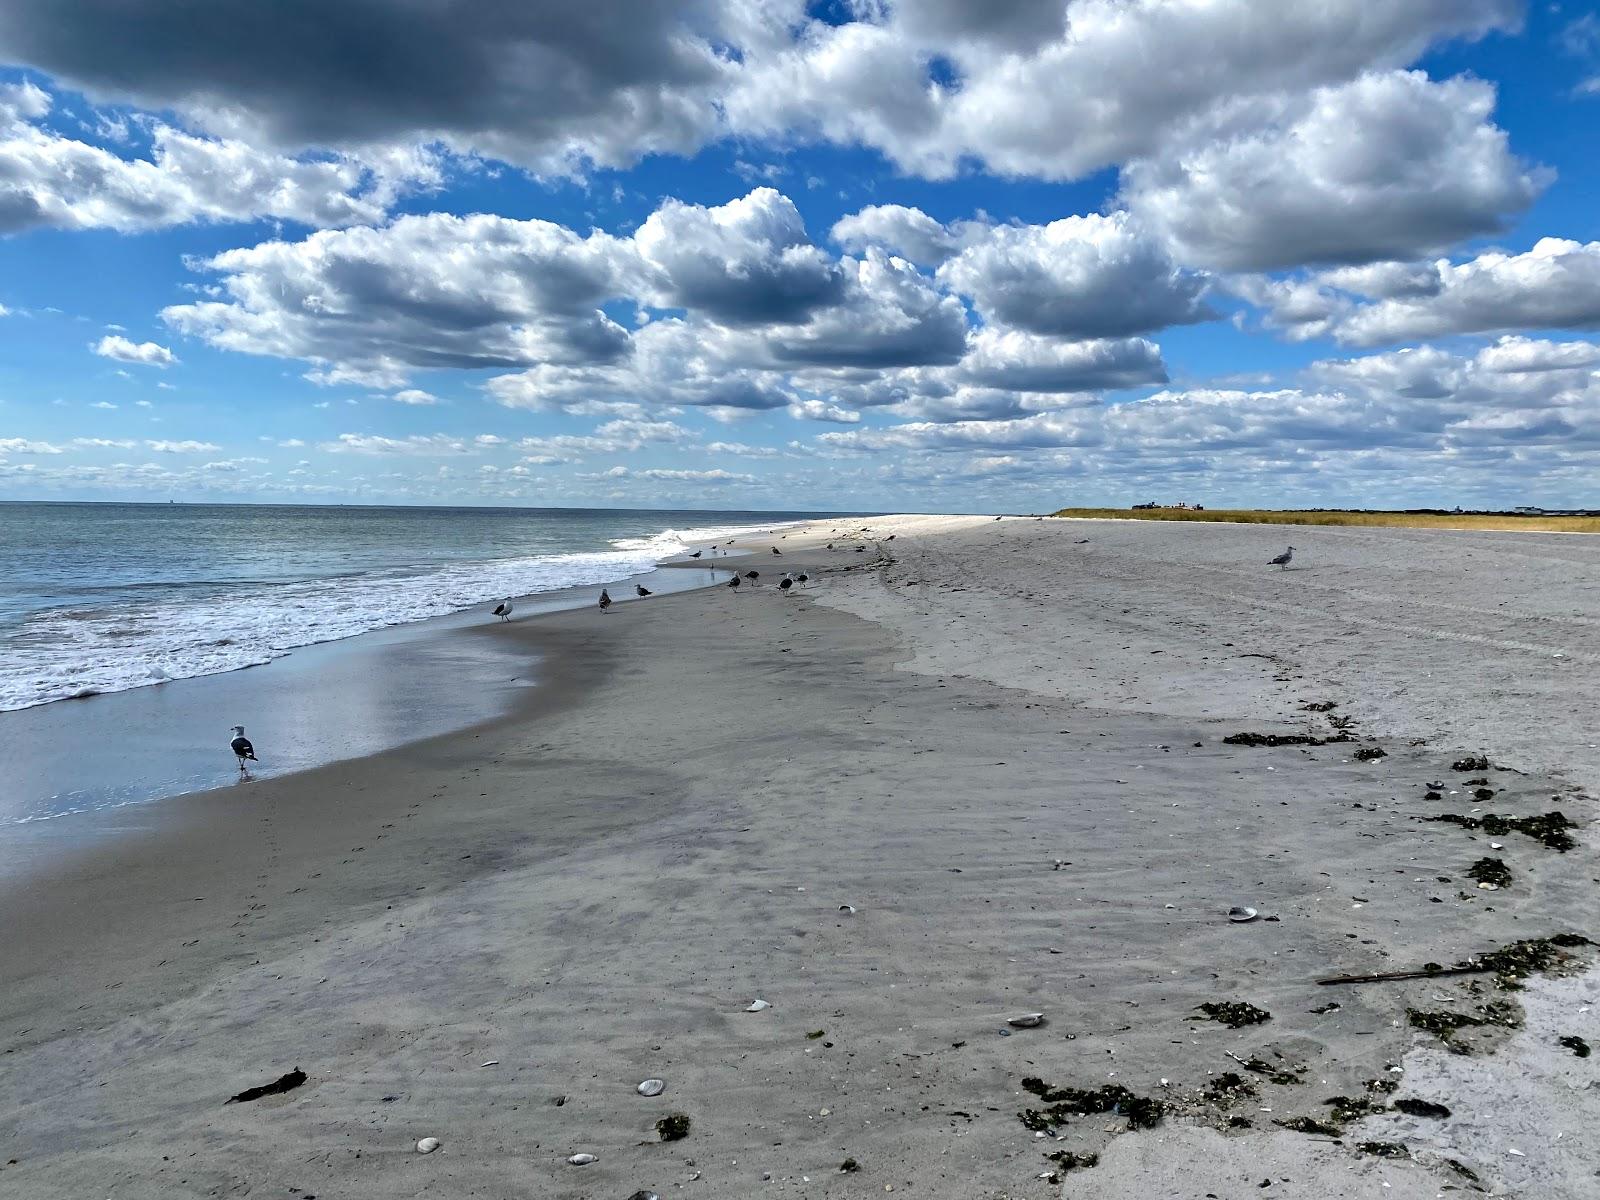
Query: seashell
[1241,913]
[652,1087]
[757,1006]
[847,908]
[582,1160]
[1026,1020]
[644,1195]
[427,1145]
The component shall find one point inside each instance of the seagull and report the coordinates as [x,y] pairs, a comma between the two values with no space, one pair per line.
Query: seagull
[503,610]
[752,574]
[785,583]
[605,599]
[242,748]
[775,550]
[734,582]
[1283,559]
[696,554]
[641,589]
[802,578]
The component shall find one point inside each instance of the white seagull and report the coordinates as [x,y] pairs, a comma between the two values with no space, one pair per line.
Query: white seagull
[503,610]
[242,748]
[1282,561]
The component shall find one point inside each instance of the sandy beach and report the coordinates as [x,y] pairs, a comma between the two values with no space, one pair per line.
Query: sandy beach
[975,770]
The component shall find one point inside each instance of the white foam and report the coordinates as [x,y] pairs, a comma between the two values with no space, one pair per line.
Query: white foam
[65,653]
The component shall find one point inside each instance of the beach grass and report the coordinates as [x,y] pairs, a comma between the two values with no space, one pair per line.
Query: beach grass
[1511,522]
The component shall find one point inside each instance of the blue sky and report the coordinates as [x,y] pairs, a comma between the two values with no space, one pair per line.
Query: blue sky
[875,255]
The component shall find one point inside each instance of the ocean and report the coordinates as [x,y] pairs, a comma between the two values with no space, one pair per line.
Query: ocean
[125,628]
[99,598]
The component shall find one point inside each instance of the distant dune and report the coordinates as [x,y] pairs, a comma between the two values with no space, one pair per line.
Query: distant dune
[1416,519]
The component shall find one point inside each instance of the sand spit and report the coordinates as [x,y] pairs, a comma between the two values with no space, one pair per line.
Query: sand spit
[903,833]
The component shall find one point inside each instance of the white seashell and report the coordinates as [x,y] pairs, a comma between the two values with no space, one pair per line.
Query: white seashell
[1241,913]
[582,1160]
[427,1145]
[757,1006]
[652,1087]
[847,908]
[1026,1020]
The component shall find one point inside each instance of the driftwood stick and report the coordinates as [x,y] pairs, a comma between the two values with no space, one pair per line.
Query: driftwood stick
[1394,975]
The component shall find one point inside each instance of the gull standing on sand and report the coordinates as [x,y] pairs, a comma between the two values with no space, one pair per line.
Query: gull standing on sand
[642,590]
[1282,561]
[734,582]
[785,583]
[242,748]
[503,610]
[605,599]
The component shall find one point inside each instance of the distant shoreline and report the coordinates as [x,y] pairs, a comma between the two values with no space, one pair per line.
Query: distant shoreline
[1503,521]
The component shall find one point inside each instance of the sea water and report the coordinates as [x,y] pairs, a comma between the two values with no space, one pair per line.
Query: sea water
[99,598]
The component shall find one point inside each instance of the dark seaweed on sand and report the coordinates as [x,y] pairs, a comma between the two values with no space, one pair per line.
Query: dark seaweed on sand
[1384,1149]
[673,1127]
[284,1083]
[1234,1014]
[1142,1112]
[1550,828]
[1371,753]
[1490,870]
[1576,1044]
[1413,1107]
[1308,1125]
[1473,762]
[1446,1025]
[1532,956]
[1066,1160]
[1282,739]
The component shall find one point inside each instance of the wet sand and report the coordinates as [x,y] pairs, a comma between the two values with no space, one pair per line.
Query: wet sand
[590,892]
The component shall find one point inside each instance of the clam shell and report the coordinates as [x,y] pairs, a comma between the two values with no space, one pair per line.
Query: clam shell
[582,1160]
[652,1087]
[1241,913]
[757,1006]
[427,1145]
[1026,1020]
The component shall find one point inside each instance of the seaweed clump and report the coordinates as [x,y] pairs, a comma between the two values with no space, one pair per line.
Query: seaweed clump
[1142,1112]
[1228,1088]
[1447,1025]
[1576,1044]
[1320,706]
[1549,828]
[1384,1149]
[1473,762]
[1492,871]
[1413,1107]
[1280,1075]
[849,1166]
[1352,1108]
[1282,739]
[673,1127]
[1532,956]
[1371,753]
[1066,1160]
[1234,1014]
[1309,1125]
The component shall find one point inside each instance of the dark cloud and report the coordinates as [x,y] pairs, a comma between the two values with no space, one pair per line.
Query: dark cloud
[529,82]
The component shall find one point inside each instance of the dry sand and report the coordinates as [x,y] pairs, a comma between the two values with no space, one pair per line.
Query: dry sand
[590,892]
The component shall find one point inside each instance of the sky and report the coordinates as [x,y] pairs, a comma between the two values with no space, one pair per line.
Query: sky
[921,255]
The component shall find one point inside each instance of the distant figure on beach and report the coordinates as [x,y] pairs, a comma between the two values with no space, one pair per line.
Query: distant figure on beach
[775,550]
[605,599]
[1282,561]
[242,748]
[642,590]
[503,610]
